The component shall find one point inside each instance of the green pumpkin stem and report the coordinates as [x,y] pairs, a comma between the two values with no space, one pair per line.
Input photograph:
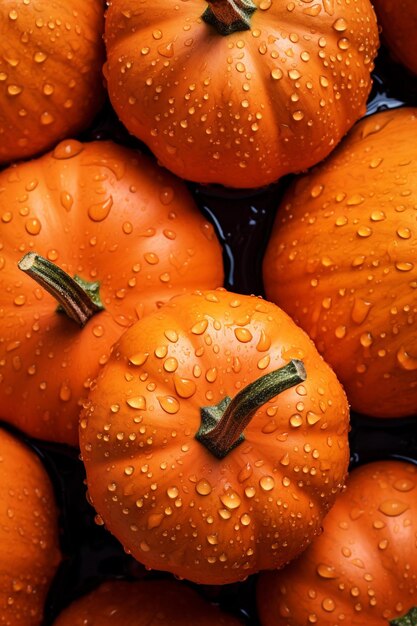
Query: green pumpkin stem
[78,298]
[222,425]
[229,16]
[409,619]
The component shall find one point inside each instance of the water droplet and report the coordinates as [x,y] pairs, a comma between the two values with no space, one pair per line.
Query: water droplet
[171,364]
[137,402]
[243,335]
[392,507]
[404,484]
[326,571]
[39,57]
[360,310]
[154,520]
[66,200]
[98,212]
[67,149]
[406,360]
[33,226]
[169,404]
[203,487]
[184,387]
[199,327]
[231,500]
[65,393]
[46,118]
[14,90]
[340,25]
[267,483]
[139,358]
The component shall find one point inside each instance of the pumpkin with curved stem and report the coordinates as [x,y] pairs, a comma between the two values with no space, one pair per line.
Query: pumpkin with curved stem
[267,88]
[210,450]
[51,84]
[158,602]
[363,568]
[341,260]
[132,234]
[398,21]
[29,536]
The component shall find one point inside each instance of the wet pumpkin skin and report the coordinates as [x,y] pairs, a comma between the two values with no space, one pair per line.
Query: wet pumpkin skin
[51,84]
[156,602]
[29,536]
[270,100]
[363,568]
[341,260]
[398,22]
[171,503]
[107,214]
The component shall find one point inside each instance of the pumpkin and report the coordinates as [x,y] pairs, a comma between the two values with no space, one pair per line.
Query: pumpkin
[398,22]
[363,568]
[239,92]
[51,84]
[341,260]
[215,438]
[29,537]
[133,235]
[158,602]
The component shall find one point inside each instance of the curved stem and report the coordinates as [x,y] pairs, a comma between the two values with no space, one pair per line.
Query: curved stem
[78,298]
[229,16]
[222,425]
[409,619]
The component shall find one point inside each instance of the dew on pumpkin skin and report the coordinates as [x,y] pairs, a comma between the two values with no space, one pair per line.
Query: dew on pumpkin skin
[406,361]
[99,211]
[267,483]
[203,487]
[169,404]
[137,402]
[392,507]
[230,500]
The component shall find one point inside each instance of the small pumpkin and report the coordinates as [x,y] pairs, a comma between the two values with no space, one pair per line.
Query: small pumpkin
[398,22]
[29,536]
[341,260]
[132,234]
[51,84]
[163,602]
[208,452]
[363,568]
[239,92]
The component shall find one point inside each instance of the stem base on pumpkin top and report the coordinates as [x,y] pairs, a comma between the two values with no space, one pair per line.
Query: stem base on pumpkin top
[409,619]
[78,298]
[222,424]
[229,16]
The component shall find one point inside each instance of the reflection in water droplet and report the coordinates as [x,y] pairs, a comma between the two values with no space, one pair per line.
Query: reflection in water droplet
[98,212]
[406,360]
[169,404]
[67,149]
[230,500]
[392,507]
[326,571]
[203,487]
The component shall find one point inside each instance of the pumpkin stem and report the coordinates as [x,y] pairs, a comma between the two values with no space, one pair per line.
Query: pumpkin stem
[409,619]
[222,424]
[229,16]
[78,298]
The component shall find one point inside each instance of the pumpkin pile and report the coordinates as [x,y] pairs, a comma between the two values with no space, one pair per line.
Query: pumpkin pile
[208,298]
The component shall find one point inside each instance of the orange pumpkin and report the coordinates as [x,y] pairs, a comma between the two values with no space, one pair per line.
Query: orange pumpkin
[168,469]
[398,21]
[158,602]
[118,221]
[266,88]
[51,84]
[29,539]
[363,568]
[341,261]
